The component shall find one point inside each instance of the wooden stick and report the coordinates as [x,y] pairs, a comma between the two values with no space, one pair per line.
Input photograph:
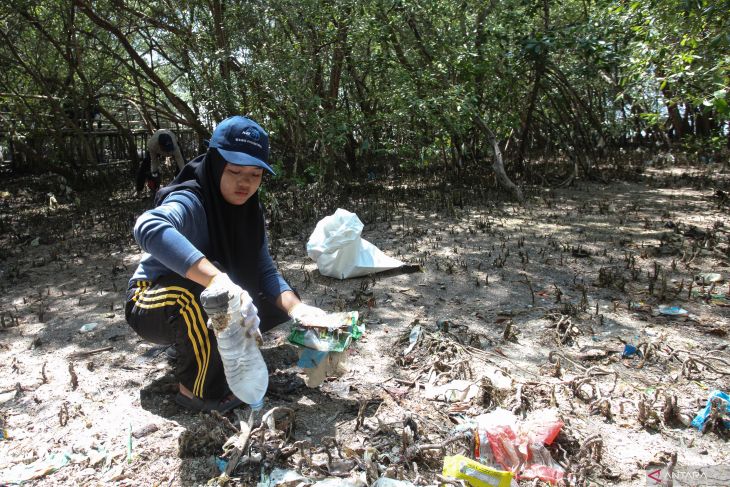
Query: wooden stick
[90,352]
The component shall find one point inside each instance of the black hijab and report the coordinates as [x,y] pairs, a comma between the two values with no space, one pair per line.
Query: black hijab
[235,232]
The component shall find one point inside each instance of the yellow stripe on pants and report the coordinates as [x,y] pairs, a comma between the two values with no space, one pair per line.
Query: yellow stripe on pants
[193,317]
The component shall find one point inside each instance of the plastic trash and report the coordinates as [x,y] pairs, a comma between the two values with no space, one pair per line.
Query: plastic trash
[339,482]
[338,388]
[457,390]
[519,446]
[87,327]
[280,477]
[335,334]
[718,299]
[487,422]
[702,417]
[221,463]
[543,425]
[322,348]
[629,351]
[320,365]
[413,339]
[243,364]
[339,251]
[21,472]
[129,443]
[476,474]
[708,277]
[388,482]
[673,311]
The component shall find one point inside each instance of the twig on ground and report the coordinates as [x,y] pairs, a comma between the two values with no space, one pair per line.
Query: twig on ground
[74,377]
[87,353]
[555,353]
[690,363]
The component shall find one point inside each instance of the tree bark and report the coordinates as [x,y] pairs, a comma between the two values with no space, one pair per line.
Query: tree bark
[673,110]
[338,59]
[498,164]
[540,62]
[539,70]
[226,64]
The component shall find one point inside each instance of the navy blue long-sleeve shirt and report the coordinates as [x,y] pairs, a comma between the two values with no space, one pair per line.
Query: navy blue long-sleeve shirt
[174,236]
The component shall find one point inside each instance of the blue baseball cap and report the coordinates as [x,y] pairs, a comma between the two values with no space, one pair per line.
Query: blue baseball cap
[242,142]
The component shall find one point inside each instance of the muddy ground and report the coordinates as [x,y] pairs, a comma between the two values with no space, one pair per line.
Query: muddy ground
[532,304]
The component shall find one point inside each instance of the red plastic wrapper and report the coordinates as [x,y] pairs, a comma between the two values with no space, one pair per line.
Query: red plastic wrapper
[519,445]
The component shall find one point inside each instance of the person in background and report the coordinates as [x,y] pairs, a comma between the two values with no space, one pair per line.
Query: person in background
[161,145]
[207,232]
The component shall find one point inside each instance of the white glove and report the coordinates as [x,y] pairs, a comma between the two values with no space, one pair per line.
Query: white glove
[249,315]
[226,303]
[307,315]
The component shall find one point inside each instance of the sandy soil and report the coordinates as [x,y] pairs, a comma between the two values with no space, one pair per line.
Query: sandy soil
[533,304]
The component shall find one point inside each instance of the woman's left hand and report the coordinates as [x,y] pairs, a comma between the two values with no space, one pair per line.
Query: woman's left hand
[306,314]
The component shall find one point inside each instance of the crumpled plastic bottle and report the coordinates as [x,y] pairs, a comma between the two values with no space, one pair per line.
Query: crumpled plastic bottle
[243,364]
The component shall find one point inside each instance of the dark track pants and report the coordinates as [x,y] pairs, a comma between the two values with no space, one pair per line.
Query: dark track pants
[144,174]
[169,312]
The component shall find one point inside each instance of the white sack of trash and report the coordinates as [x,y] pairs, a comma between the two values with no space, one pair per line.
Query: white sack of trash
[339,250]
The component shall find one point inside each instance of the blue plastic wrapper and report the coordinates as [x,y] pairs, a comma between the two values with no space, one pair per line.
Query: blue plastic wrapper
[673,311]
[701,418]
[311,358]
[629,351]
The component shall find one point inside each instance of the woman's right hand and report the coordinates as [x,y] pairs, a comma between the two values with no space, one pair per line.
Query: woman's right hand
[226,303]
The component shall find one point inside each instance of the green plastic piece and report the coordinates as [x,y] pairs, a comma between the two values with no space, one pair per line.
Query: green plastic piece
[340,330]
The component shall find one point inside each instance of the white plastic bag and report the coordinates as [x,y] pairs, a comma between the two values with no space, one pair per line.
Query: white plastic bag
[338,249]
